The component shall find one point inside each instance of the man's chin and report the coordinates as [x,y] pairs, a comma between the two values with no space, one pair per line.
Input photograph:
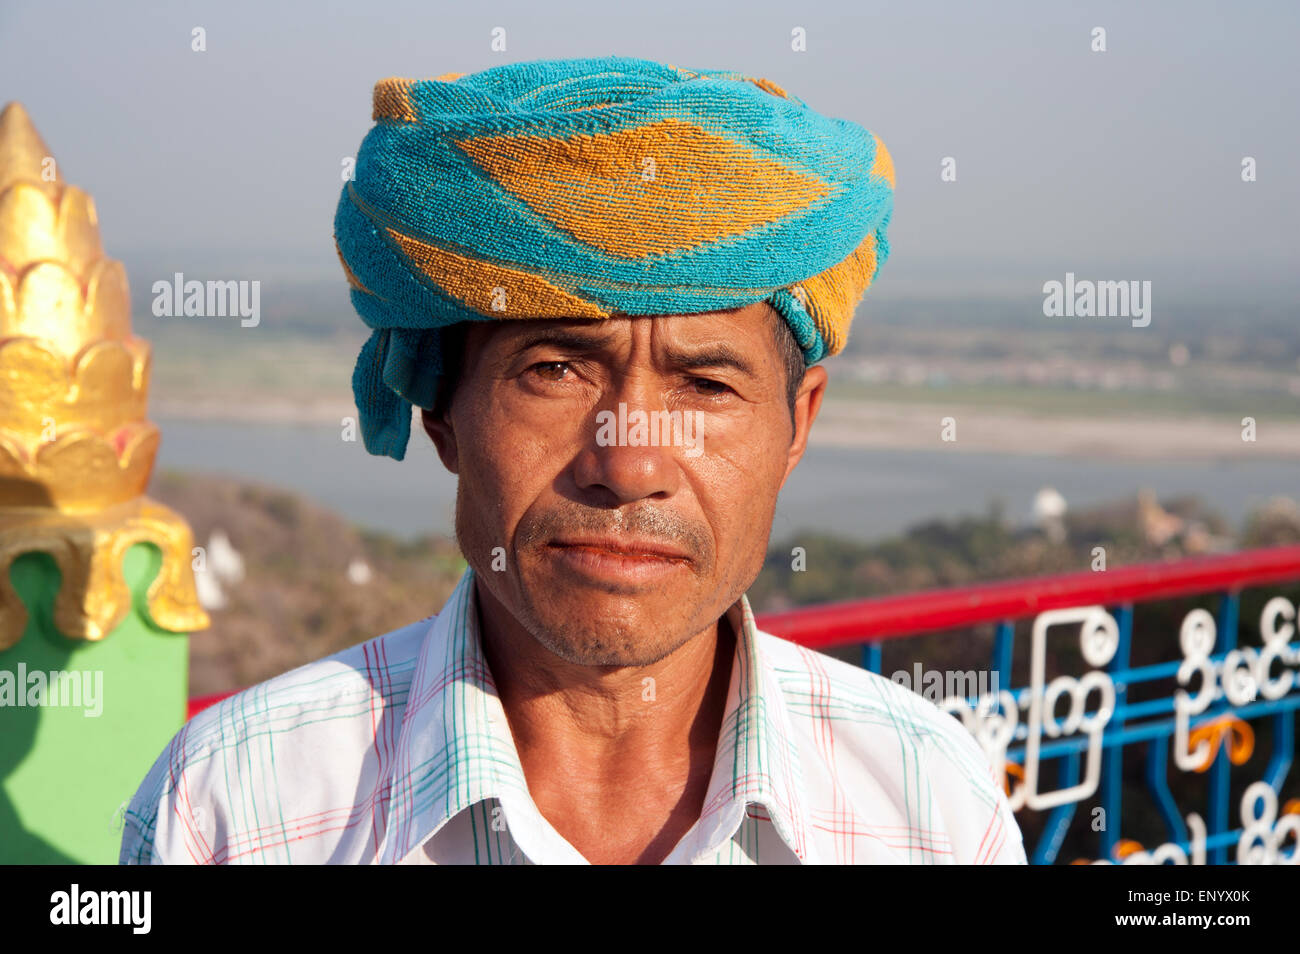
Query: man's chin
[601,634]
[593,627]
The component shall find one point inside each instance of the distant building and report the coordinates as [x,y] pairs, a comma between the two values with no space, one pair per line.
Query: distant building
[1049,513]
[223,559]
[222,564]
[359,572]
[1157,525]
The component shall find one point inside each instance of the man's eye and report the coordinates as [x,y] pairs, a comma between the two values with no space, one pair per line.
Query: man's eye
[709,387]
[550,370]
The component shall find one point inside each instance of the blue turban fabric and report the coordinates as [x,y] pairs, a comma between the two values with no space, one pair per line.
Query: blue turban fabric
[593,187]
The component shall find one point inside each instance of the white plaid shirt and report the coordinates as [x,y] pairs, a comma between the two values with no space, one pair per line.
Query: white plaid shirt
[397,751]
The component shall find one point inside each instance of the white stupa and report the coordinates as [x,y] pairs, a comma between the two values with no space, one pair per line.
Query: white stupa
[359,572]
[208,587]
[1049,513]
[223,559]
[222,563]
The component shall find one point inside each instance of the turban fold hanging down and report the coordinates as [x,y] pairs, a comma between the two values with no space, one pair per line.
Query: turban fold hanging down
[585,188]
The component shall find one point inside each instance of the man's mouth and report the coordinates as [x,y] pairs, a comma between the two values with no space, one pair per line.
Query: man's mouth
[621,558]
[629,548]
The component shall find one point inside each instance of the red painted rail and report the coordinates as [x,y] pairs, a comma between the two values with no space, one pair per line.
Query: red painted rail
[889,617]
[199,703]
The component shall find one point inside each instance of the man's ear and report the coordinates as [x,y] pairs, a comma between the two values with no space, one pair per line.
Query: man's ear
[443,436]
[806,405]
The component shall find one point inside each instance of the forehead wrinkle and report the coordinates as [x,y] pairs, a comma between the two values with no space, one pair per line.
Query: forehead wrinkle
[714,348]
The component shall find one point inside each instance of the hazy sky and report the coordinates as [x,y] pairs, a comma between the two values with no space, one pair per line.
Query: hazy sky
[1115,165]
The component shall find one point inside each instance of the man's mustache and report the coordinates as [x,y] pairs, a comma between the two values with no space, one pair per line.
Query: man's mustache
[647,523]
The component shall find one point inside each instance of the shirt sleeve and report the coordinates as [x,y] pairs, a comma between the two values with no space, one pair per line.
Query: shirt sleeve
[972,802]
[168,820]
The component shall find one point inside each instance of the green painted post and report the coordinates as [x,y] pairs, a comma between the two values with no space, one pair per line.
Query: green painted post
[67,769]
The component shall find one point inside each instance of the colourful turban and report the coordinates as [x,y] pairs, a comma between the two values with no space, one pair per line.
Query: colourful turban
[584,188]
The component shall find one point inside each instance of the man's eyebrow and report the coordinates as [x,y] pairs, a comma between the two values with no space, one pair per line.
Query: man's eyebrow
[714,355]
[717,355]
[566,339]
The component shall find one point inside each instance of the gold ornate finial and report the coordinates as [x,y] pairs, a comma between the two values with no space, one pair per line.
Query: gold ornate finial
[76,446]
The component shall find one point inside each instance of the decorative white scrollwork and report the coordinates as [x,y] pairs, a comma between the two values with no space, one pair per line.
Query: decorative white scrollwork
[1263,836]
[995,717]
[1243,674]
[1098,640]
[1196,639]
[1168,853]
[992,720]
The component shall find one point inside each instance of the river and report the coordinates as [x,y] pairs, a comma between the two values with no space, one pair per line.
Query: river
[864,494]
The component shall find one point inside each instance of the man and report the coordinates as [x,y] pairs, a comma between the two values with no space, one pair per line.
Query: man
[607,284]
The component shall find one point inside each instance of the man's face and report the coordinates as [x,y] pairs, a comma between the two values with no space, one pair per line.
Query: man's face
[615,534]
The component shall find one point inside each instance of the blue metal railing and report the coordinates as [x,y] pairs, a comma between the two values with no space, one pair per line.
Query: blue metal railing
[1085,751]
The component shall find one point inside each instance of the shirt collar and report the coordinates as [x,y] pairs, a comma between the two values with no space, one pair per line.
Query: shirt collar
[757,758]
[455,748]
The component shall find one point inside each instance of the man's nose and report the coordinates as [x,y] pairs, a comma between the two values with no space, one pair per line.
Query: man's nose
[612,464]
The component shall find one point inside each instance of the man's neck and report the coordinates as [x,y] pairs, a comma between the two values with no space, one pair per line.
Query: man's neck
[618,760]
